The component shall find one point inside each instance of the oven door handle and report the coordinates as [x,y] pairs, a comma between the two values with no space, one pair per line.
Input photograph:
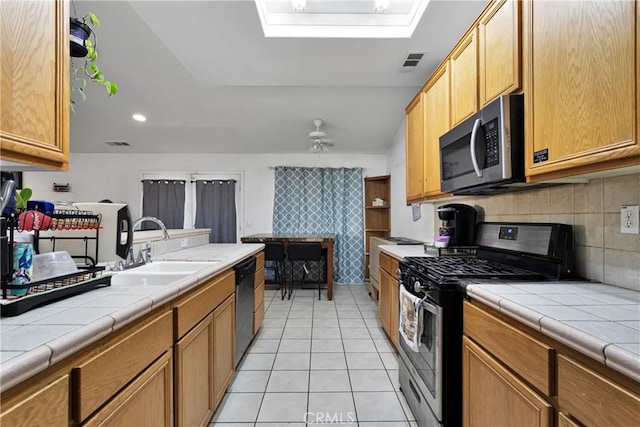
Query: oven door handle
[431,308]
[472,146]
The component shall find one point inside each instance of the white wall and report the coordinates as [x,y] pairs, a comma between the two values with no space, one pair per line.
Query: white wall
[117,177]
[402,223]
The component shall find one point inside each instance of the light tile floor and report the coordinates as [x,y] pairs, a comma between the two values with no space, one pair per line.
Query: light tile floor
[317,362]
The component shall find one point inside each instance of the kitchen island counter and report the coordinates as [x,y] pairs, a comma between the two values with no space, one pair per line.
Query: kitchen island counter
[40,338]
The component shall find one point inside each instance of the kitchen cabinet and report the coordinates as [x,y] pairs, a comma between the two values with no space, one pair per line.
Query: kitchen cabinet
[414,149]
[34,93]
[258,302]
[101,377]
[463,66]
[46,406]
[581,62]
[499,50]
[514,375]
[205,324]
[148,400]
[224,319]
[436,106]
[494,396]
[195,402]
[377,219]
[388,297]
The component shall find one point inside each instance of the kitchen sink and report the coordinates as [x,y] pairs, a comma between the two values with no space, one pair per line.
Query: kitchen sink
[159,273]
[173,267]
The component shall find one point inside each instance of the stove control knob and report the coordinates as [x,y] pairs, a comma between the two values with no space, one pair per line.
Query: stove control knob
[417,286]
[398,274]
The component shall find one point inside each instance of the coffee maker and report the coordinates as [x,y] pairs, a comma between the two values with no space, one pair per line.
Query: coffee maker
[459,223]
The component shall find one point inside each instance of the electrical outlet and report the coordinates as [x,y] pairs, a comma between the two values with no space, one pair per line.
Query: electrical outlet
[629,219]
[184,243]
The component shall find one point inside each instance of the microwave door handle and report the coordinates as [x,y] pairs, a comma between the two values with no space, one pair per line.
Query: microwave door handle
[474,160]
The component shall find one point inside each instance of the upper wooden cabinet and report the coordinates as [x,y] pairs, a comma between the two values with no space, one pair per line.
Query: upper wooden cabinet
[581,87]
[34,89]
[463,65]
[499,50]
[414,149]
[436,111]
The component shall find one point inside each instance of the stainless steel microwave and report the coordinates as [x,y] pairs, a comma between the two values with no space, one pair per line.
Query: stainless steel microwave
[485,153]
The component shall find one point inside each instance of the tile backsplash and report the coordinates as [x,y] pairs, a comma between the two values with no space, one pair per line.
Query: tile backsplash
[603,254]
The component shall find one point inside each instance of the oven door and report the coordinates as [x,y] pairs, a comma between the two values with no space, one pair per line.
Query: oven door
[426,366]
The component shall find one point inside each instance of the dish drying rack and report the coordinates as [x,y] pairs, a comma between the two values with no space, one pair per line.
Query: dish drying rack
[19,298]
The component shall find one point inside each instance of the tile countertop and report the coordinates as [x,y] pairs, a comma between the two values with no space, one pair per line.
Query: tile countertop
[39,338]
[153,235]
[598,320]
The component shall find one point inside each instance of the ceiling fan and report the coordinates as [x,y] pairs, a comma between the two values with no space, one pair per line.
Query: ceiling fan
[319,138]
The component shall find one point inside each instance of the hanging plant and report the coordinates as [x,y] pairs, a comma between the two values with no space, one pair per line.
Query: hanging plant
[83,47]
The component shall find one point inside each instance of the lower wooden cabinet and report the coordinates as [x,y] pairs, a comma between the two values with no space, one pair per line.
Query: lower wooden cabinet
[258,301]
[493,396]
[224,318]
[195,400]
[46,407]
[388,297]
[147,401]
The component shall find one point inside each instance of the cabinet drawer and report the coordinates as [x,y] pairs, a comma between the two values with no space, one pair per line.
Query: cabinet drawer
[593,399]
[258,317]
[259,260]
[101,377]
[48,406]
[528,357]
[195,306]
[259,277]
[388,264]
[259,297]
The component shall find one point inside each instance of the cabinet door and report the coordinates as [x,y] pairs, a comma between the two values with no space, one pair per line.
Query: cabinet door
[34,93]
[464,78]
[49,406]
[223,346]
[414,149]
[147,401]
[436,107]
[582,93]
[394,312]
[492,396]
[499,50]
[195,401]
[384,305]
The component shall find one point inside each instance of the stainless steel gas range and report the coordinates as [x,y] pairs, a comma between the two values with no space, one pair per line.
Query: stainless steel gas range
[431,379]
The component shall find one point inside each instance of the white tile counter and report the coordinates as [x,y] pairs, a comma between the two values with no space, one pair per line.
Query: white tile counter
[600,321]
[35,340]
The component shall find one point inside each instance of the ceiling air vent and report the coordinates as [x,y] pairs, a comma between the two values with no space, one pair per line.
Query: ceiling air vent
[118,143]
[412,61]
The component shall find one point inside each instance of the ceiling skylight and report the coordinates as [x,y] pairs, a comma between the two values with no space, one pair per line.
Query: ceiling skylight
[340,18]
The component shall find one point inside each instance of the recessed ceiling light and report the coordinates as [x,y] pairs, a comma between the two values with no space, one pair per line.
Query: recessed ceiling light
[139,118]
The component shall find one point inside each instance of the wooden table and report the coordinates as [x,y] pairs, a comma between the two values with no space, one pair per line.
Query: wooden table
[325,240]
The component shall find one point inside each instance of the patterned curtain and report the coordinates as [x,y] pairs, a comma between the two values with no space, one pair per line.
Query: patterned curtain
[324,200]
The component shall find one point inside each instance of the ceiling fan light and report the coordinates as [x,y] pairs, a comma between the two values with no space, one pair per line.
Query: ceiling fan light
[299,5]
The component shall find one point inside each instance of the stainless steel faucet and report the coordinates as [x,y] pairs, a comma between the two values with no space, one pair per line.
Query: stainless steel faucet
[144,256]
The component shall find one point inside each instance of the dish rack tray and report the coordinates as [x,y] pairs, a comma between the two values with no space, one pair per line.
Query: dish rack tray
[18,299]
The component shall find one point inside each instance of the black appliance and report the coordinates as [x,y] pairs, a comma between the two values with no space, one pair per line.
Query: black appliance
[485,153]
[458,222]
[245,276]
[431,379]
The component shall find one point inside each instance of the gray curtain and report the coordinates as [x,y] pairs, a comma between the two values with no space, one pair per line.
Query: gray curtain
[163,199]
[216,209]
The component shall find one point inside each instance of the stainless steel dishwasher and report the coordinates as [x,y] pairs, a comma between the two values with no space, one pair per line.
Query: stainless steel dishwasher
[245,276]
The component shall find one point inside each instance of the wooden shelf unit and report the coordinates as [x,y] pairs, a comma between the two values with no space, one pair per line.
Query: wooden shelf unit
[377,219]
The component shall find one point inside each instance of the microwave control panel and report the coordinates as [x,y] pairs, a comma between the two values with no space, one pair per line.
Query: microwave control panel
[492,155]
